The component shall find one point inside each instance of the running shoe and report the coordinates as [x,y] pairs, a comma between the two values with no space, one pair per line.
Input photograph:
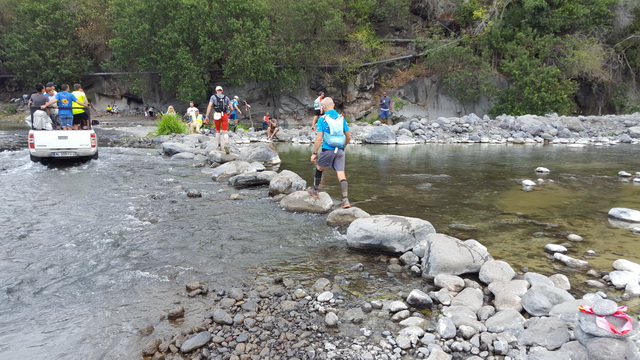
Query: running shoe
[313,192]
[345,203]
[226,149]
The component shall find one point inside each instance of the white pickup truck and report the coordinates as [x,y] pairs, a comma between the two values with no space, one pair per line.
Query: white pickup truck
[45,145]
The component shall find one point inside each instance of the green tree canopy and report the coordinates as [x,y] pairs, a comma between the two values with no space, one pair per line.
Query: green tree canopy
[42,43]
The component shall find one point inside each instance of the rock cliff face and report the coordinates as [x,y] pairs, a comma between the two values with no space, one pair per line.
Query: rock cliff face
[356,98]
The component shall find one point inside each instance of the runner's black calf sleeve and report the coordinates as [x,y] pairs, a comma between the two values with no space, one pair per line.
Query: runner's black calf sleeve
[344,186]
[317,178]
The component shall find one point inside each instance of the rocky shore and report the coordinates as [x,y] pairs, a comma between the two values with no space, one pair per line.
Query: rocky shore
[467,305]
[527,129]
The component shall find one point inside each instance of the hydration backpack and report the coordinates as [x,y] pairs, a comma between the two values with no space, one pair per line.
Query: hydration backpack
[220,104]
[335,137]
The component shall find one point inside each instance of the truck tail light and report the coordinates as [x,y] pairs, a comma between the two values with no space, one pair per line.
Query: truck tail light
[32,144]
[93,140]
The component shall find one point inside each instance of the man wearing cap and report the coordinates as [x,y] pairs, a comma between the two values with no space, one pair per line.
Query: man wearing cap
[317,108]
[220,104]
[234,112]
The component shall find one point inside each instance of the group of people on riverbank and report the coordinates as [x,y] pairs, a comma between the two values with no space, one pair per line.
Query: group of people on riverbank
[332,132]
[64,110]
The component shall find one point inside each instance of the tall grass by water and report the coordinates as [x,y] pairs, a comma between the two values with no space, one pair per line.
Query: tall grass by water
[170,124]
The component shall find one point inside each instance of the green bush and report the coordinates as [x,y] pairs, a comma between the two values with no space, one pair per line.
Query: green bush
[11,109]
[535,89]
[398,103]
[170,124]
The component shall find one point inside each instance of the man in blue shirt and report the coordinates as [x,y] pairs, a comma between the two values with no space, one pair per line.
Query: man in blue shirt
[332,138]
[385,107]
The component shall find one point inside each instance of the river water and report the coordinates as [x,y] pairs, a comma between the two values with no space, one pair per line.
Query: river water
[91,253]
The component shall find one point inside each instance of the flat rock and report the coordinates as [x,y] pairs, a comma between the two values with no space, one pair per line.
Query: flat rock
[344,217]
[450,282]
[610,349]
[508,320]
[388,233]
[301,201]
[625,214]
[550,333]
[496,270]
[196,342]
[626,265]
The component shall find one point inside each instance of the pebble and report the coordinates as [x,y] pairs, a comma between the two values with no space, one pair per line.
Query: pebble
[574,237]
[325,296]
[553,248]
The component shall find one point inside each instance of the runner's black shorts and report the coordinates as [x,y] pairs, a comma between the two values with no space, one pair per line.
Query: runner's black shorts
[79,118]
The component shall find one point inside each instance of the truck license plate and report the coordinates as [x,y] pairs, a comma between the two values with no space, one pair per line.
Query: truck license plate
[66,153]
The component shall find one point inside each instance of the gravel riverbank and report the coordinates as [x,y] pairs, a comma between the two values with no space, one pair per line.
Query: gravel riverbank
[484,310]
[466,305]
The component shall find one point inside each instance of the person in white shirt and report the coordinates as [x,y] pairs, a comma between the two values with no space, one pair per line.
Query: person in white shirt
[190,110]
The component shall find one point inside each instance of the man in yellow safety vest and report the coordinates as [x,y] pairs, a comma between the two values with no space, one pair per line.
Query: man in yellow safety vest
[195,122]
[80,115]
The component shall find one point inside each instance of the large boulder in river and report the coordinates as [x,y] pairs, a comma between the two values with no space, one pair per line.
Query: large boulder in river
[388,233]
[380,135]
[448,255]
[260,153]
[625,214]
[301,201]
[172,148]
[251,179]
[227,170]
[286,182]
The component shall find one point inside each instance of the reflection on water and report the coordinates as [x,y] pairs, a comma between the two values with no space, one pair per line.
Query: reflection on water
[474,191]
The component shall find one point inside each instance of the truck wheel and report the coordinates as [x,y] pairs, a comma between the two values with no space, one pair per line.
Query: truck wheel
[33,158]
[95,156]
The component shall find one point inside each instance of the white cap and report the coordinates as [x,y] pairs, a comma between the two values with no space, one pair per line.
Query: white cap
[218,87]
[236,97]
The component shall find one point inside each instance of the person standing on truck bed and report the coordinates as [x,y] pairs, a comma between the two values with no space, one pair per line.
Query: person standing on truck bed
[80,115]
[39,118]
[50,91]
[64,100]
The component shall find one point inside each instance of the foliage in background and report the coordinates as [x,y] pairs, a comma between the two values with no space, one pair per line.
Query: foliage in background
[170,124]
[398,103]
[543,48]
[41,44]
[535,89]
